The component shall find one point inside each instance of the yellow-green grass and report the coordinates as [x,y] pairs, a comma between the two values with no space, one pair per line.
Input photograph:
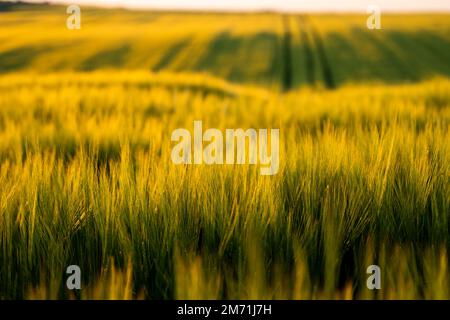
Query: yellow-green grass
[86,179]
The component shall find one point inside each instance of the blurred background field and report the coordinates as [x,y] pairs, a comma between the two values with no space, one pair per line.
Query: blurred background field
[270,49]
[86,177]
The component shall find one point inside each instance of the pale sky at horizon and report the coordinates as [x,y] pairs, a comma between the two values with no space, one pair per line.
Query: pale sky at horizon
[282,5]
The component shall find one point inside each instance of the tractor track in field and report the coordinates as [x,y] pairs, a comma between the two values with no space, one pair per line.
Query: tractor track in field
[287,79]
[327,71]
[309,55]
[312,44]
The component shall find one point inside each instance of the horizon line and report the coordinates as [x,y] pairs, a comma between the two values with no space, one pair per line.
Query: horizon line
[169,8]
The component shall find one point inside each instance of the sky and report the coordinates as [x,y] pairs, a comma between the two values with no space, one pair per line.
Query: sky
[281,5]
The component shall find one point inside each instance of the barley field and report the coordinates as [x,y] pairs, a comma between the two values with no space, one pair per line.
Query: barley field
[86,176]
